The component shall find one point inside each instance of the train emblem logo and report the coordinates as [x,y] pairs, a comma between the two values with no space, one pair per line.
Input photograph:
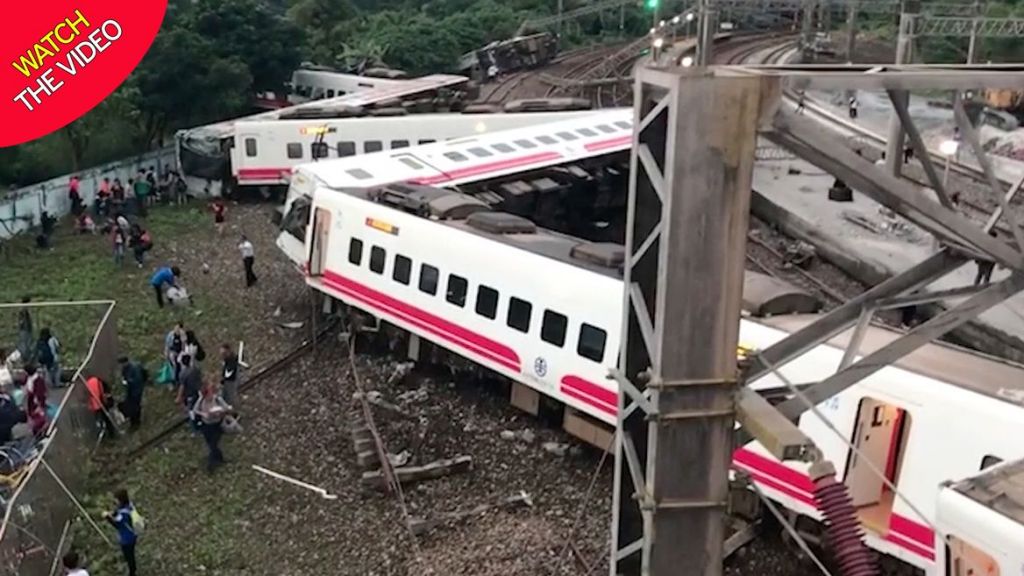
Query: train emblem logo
[540,367]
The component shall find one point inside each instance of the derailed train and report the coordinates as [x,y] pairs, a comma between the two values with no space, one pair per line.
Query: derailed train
[504,56]
[543,309]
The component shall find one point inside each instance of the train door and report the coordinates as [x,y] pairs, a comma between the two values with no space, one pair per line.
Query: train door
[879,436]
[966,560]
[318,242]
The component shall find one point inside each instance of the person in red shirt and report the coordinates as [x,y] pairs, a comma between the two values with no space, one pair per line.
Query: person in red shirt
[219,210]
[75,196]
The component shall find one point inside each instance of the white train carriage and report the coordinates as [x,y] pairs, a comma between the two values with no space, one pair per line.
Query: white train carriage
[203,153]
[983,517]
[311,84]
[544,310]
[266,152]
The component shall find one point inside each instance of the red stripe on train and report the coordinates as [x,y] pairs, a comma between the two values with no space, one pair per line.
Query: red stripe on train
[601,398]
[489,349]
[262,173]
[487,167]
[611,143]
[903,532]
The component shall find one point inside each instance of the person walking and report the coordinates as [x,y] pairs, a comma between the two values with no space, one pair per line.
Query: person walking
[128,524]
[248,260]
[25,335]
[229,374]
[74,195]
[164,276]
[985,267]
[48,355]
[100,403]
[853,105]
[133,376]
[190,385]
[174,344]
[210,410]
[219,211]
[120,241]
[73,565]
[801,97]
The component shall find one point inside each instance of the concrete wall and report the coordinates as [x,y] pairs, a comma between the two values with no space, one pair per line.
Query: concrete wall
[20,209]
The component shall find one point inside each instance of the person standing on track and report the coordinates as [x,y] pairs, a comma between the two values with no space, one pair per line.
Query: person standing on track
[248,259]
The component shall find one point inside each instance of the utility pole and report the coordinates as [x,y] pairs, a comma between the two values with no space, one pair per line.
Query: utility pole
[689,194]
[972,43]
[909,13]
[560,9]
[851,29]
[706,31]
[807,26]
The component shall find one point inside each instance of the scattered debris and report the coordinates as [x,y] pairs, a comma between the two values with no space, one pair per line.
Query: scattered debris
[323,493]
[400,459]
[418,395]
[401,370]
[291,325]
[409,474]
[799,254]
[507,435]
[862,221]
[421,526]
[556,448]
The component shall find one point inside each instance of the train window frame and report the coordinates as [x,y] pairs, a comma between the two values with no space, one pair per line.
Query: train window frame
[455,156]
[250,148]
[524,143]
[567,136]
[371,146]
[346,148]
[359,174]
[591,351]
[294,150]
[355,251]
[487,301]
[425,285]
[480,152]
[988,461]
[319,150]
[396,144]
[545,139]
[378,259]
[502,148]
[554,321]
[401,271]
[606,128]
[588,132]
[426,141]
[624,124]
[460,286]
[517,310]
[410,163]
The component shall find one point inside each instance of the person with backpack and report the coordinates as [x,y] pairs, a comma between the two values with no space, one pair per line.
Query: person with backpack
[129,525]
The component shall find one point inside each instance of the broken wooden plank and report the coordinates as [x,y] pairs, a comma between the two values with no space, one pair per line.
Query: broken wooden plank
[420,526]
[431,471]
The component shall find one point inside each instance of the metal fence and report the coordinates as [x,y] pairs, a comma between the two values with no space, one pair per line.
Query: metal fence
[38,516]
[20,208]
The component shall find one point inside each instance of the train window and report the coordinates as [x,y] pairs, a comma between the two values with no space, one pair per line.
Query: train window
[480,152]
[519,314]
[624,125]
[567,136]
[504,148]
[456,293]
[487,302]
[454,156]
[552,329]
[428,279]
[411,163]
[330,93]
[605,128]
[587,132]
[355,251]
[294,150]
[546,140]
[373,146]
[525,144]
[591,343]
[427,141]
[359,174]
[399,144]
[403,269]
[318,149]
[347,148]
[989,461]
[377,257]
[250,147]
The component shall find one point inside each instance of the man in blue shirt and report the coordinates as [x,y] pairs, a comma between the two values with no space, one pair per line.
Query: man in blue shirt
[164,276]
[127,533]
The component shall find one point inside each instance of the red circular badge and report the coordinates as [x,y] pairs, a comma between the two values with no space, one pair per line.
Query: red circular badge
[62,58]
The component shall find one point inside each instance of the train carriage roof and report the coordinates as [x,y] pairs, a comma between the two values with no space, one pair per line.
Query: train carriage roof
[967,369]
[1000,488]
